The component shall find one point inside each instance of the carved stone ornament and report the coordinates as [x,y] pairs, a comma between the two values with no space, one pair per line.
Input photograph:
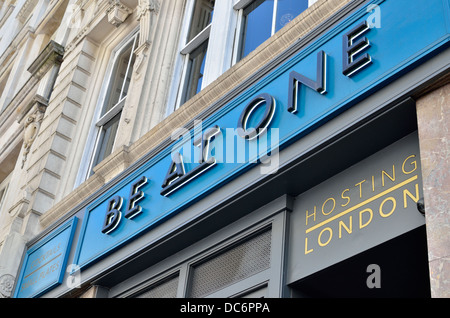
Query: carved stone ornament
[6,285]
[117,12]
[31,129]
[141,56]
[145,11]
[146,6]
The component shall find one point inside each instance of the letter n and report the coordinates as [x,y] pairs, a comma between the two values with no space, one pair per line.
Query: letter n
[319,85]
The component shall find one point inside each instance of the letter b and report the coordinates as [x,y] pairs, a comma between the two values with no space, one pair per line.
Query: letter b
[113,214]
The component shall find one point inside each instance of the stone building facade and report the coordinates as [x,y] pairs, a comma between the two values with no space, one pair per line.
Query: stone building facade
[90,89]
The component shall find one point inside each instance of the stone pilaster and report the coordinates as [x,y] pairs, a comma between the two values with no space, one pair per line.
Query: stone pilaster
[433,116]
[47,156]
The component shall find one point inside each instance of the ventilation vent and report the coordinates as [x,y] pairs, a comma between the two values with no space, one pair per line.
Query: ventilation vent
[166,289]
[239,262]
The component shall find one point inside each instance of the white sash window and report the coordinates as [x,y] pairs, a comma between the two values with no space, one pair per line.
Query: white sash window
[219,33]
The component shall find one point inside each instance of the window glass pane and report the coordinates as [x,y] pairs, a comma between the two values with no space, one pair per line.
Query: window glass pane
[258,25]
[195,71]
[201,18]
[121,77]
[107,137]
[287,11]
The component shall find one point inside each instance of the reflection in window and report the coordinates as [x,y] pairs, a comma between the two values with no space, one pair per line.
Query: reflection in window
[196,67]
[121,77]
[195,49]
[107,137]
[201,17]
[262,18]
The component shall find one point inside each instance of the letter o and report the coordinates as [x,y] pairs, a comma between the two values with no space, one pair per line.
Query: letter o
[251,133]
[394,204]
[332,209]
[320,235]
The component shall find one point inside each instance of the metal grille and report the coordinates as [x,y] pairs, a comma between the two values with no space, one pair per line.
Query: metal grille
[239,262]
[166,289]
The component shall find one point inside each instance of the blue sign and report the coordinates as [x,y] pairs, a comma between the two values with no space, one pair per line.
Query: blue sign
[45,263]
[365,52]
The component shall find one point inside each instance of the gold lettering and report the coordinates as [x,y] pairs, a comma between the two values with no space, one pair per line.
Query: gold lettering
[320,236]
[306,247]
[307,215]
[360,187]
[394,204]
[361,204]
[345,197]
[361,225]
[413,163]
[409,194]
[383,173]
[332,209]
[342,224]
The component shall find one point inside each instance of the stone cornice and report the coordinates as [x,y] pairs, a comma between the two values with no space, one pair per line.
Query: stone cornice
[52,54]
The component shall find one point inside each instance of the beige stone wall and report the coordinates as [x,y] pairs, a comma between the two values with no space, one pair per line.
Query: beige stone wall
[29,64]
[433,116]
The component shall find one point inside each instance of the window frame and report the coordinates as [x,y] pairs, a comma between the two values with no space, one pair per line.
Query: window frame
[243,9]
[90,157]
[220,56]
[187,48]
[189,68]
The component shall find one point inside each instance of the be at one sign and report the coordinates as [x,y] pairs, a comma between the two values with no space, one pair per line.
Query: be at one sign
[361,207]
[349,62]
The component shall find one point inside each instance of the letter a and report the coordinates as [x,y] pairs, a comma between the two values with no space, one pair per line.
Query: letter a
[176,170]
[374,279]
